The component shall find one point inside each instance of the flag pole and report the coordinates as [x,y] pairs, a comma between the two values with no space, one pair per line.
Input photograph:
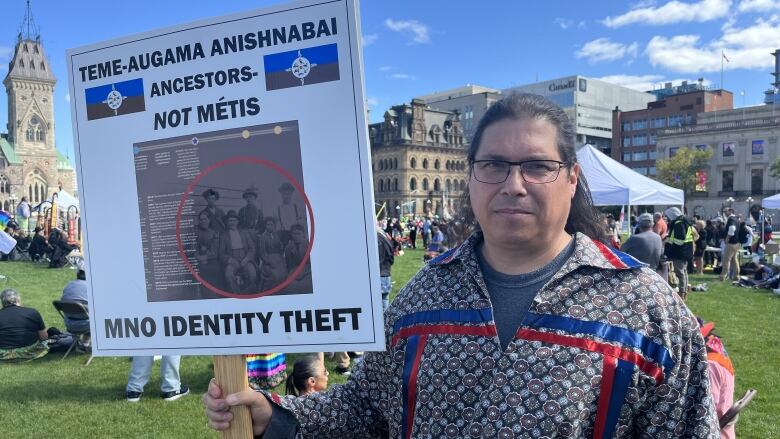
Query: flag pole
[722,56]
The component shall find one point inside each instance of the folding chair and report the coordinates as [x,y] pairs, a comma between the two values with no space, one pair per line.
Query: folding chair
[74,310]
[732,415]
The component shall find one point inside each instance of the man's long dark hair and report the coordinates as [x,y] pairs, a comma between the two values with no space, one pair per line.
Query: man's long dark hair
[583,217]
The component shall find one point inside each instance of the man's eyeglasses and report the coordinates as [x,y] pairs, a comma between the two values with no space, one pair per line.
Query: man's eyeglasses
[532,171]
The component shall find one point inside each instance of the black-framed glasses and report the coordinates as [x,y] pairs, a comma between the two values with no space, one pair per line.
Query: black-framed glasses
[532,171]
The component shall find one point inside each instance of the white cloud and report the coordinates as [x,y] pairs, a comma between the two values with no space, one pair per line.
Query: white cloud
[758,5]
[372,101]
[67,97]
[672,12]
[564,23]
[401,76]
[602,49]
[369,39]
[728,24]
[385,68]
[746,48]
[568,23]
[643,82]
[643,4]
[413,29]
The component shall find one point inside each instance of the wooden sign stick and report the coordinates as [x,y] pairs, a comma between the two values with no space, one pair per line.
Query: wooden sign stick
[230,372]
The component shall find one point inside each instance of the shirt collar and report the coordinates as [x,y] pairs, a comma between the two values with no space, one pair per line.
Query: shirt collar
[587,252]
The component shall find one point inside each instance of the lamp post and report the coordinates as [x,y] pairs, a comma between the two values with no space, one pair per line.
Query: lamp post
[730,200]
[13,204]
[749,202]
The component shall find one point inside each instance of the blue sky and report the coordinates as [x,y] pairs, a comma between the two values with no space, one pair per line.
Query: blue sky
[419,47]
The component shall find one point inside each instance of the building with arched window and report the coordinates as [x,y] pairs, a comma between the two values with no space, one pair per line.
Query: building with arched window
[418,142]
[32,166]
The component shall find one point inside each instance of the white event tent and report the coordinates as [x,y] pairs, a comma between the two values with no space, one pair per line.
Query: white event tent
[772,202]
[613,184]
[64,200]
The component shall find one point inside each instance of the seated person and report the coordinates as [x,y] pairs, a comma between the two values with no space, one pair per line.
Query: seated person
[22,240]
[308,375]
[76,291]
[38,246]
[646,246]
[237,253]
[207,253]
[763,277]
[294,252]
[60,248]
[764,272]
[270,252]
[22,332]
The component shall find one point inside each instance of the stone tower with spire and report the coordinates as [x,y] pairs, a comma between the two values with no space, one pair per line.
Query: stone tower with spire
[31,166]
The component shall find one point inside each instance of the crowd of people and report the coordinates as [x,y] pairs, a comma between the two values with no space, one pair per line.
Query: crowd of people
[23,334]
[691,243]
[237,251]
[526,319]
[437,234]
[247,251]
[52,249]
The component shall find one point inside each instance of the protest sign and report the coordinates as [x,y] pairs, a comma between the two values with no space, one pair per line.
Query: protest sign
[7,242]
[224,178]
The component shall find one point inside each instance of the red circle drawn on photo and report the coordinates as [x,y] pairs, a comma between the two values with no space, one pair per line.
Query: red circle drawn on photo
[188,192]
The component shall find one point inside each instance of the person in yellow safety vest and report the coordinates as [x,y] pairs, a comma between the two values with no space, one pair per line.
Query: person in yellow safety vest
[679,246]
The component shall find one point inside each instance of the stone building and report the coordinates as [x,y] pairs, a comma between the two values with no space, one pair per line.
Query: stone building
[30,165]
[635,133]
[419,161]
[471,102]
[744,142]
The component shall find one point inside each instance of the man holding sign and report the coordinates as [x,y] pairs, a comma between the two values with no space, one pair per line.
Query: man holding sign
[531,328]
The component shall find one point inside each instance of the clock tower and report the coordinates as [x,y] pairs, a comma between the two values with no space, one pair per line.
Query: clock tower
[31,167]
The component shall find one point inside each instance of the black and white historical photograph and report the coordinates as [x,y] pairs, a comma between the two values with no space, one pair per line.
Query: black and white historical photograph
[224,214]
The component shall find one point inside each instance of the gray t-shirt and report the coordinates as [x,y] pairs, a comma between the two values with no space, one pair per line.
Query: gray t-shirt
[512,295]
[645,246]
[76,290]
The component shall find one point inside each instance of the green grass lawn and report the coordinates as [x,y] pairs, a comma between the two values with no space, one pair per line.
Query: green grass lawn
[54,398]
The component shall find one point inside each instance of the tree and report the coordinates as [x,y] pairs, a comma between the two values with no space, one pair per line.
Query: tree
[774,170]
[680,171]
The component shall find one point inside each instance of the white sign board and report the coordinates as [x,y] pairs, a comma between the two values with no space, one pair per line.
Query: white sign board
[225,182]
[7,242]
